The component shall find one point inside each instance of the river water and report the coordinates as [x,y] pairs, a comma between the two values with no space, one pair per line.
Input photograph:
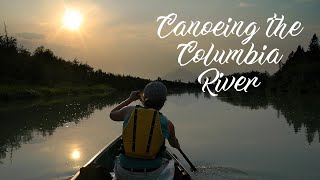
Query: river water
[242,137]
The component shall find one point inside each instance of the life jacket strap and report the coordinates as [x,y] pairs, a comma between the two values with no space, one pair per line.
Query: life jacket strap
[134,130]
[151,131]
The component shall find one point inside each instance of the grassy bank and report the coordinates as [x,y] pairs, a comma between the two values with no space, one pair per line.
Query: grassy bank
[32,92]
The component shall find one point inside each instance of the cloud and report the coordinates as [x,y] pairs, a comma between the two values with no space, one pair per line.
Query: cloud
[303,1]
[246,4]
[30,35]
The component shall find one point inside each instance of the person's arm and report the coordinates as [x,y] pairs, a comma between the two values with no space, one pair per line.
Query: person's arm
[119,112]
[173,141]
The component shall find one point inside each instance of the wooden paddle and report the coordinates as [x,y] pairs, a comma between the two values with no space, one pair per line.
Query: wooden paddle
[193,168]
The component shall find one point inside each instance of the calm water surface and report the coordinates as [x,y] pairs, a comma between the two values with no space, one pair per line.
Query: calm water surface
[226,138]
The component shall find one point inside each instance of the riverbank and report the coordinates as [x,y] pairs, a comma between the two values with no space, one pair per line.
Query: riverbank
[16,92]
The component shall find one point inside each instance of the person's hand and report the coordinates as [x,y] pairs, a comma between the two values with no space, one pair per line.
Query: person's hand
[135,95]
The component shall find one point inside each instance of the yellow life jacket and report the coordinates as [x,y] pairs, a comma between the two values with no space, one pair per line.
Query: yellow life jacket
[142,137]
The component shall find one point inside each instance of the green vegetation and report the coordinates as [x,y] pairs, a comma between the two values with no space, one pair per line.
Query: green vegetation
[27,92]
[298,76]
[300,73]
[42,74]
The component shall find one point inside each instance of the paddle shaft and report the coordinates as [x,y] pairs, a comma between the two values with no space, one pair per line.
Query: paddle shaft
[187,159]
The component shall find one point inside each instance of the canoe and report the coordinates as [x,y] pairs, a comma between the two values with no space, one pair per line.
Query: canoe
[106,157]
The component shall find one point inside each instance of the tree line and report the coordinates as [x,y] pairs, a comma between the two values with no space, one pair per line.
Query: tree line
[298,75]
[19,66]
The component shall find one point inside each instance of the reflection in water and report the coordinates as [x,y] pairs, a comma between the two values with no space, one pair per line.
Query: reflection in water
[228,132]
[75,154]
[299,112]
[21,121]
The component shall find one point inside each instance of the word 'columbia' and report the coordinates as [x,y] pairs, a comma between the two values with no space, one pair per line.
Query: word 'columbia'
[276,27]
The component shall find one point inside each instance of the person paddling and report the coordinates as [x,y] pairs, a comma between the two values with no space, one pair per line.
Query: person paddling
[144,132]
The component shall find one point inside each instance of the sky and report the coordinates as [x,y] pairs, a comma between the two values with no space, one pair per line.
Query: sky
[121,36]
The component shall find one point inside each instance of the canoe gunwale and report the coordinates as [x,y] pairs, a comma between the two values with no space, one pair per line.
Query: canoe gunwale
[100,153]
[109,145]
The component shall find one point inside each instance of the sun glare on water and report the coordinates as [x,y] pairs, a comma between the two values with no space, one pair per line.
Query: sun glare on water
[72,20]
[75,154]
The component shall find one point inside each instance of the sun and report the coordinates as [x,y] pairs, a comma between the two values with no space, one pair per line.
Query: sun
[72,20]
